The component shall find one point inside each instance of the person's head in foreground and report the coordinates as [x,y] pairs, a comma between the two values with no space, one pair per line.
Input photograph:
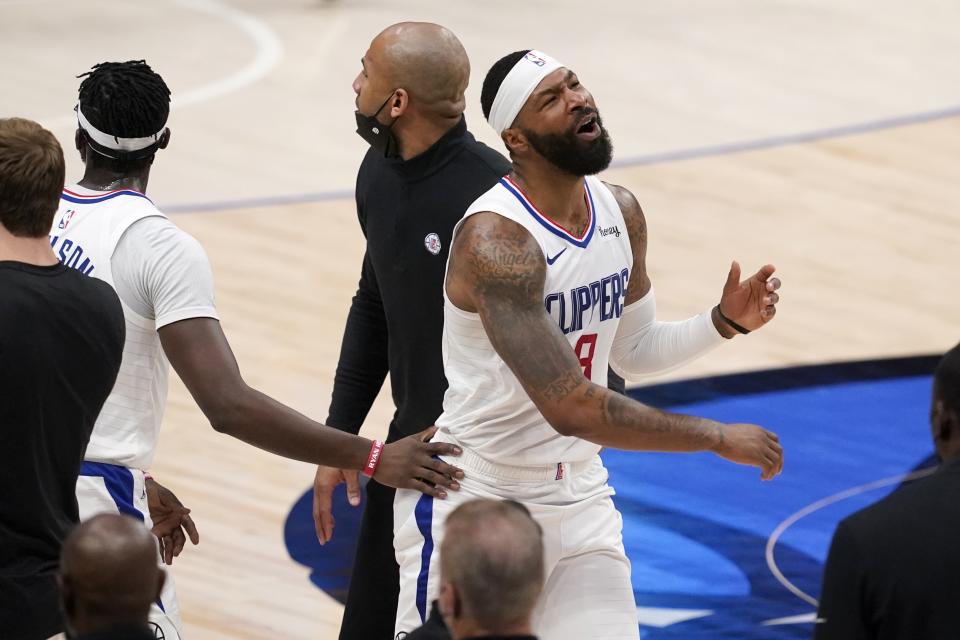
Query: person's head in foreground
[109,575]
[31,178]
[491,569]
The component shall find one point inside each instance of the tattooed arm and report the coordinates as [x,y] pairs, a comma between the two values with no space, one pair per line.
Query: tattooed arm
[498,271]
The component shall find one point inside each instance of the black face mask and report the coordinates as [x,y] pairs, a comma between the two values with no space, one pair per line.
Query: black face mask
[379,136]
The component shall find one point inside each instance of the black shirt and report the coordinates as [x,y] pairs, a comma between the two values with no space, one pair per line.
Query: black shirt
[126,632]
[407,211]
[435,629]
[61,340]
[893,570]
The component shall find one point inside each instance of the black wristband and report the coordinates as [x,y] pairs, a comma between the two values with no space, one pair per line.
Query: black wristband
[732,324]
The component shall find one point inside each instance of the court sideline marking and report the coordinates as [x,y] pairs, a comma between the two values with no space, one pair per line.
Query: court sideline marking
[816,506]
[268,51]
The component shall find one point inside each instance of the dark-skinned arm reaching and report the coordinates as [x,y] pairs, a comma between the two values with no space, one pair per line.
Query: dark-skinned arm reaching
[201,356]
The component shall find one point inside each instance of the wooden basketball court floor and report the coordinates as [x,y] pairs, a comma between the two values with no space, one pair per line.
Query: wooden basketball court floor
[821,136]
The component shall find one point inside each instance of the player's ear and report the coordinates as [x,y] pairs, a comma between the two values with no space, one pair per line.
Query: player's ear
[164,138]
[457,603]
[80,141]
[399,103]
[448,601]
[949,425]
[515,140]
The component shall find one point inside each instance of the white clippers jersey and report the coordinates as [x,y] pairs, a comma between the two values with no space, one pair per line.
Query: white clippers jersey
[85,233]
[485,408]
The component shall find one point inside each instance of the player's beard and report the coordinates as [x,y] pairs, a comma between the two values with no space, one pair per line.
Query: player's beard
[572,155]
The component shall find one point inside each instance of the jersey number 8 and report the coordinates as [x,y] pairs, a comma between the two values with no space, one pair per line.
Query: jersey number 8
[586,346]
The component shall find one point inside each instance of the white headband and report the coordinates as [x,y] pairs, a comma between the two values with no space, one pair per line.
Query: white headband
[517,87]
[114,142]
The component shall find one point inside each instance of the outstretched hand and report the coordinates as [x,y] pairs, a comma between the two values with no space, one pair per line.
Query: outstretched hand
[753,302]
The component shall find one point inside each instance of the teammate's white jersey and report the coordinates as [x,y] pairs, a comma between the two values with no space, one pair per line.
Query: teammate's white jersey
[85,235]
[486,409]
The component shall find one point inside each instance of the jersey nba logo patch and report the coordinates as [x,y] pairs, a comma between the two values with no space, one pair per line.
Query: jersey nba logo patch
[66,218]
[432,243]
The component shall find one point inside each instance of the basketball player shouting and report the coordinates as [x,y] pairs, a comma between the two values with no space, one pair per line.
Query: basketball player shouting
[106,227]
[546,285]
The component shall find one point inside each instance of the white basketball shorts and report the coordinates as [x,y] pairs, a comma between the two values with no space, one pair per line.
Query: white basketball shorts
[110,488]
[587,593]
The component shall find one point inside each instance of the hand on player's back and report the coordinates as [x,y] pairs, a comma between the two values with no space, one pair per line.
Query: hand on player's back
[411,463]
[751,445]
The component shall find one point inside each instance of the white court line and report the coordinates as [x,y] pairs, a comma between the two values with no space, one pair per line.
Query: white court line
[661,618]
[816,506]
[268,52]
[803,618]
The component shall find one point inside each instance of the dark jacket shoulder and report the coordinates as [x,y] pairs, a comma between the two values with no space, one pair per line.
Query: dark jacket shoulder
[934,495]
[493,160]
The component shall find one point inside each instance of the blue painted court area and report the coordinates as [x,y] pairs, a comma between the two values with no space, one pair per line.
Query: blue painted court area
[698,529]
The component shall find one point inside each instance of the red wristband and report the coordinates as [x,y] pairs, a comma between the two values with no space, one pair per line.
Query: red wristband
[373,460]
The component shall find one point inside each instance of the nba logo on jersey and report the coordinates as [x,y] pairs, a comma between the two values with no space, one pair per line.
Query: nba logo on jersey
[66,218]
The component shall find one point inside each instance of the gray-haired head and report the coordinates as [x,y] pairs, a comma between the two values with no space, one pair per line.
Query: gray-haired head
[491,565]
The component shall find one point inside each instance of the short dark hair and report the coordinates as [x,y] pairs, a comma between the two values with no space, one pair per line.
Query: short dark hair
[495,76]
[127,100]
[493,554]
[31,177]
[946,380]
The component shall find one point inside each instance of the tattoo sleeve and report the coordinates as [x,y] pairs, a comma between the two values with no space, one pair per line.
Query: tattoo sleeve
[500,269]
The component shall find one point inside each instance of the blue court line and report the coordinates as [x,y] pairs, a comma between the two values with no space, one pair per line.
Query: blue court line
[267,201]
[630,161]
[793,138]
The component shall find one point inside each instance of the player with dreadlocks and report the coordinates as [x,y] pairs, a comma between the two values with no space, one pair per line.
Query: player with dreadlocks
[130,101]
[108,228]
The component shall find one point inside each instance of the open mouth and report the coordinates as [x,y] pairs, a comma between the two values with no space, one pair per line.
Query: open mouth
[589,128]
